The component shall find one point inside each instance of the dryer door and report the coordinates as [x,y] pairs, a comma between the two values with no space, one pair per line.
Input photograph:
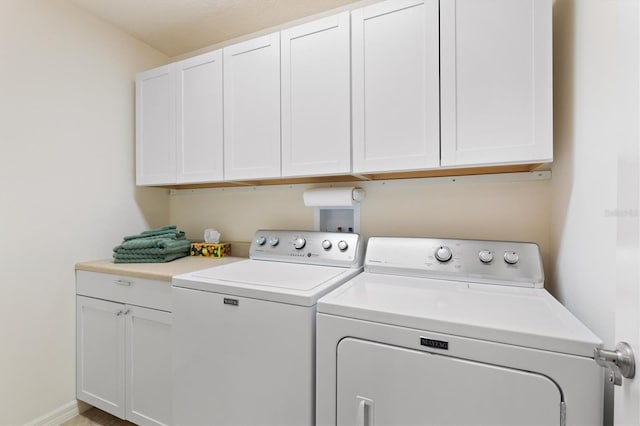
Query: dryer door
[388,385]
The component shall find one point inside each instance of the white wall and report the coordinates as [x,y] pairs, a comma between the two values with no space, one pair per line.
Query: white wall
[596,91]
[67,169]
[470,207]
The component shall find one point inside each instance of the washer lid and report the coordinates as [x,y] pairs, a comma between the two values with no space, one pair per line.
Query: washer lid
[294,283]
[528,317]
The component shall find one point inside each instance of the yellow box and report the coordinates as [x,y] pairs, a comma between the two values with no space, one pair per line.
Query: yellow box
[211,250]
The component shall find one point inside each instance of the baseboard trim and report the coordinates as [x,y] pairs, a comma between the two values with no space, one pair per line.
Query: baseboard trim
[61,414]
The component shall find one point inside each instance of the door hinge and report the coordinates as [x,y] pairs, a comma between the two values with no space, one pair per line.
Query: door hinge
[563,413]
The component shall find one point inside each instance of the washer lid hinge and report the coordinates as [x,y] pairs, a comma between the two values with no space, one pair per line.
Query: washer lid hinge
[563,413]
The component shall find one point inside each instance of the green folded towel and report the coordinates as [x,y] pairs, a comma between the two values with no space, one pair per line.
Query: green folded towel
[162,228]
[117,258]
[146,255]
[154,241]
[165,230]
[153,246]
[163,247]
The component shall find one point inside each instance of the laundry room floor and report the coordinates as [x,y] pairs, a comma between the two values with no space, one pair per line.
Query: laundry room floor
[96,417]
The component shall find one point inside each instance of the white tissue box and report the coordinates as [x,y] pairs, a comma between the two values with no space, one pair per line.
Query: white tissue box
[211,250]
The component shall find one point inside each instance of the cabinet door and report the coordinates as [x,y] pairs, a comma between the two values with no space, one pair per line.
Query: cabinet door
[155,127]
[100,354]
[252,109]
[199,118]
[496,81]
[148,349]
[316,116]
[395,86]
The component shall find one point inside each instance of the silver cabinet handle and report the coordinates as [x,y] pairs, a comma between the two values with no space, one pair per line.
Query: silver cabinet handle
[123,282]
[120,312]
[620,362]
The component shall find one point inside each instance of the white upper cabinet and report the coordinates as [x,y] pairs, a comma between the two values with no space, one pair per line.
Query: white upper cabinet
[155,127]
[395,86]
[179,122]
[496,81]
[316,105]
[252,109]
[199,118]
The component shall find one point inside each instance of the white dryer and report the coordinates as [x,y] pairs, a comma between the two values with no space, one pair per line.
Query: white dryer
[244,333]
[453,332]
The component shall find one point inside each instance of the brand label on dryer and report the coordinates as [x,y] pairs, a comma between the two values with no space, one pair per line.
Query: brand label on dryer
[233,302]
[436,344]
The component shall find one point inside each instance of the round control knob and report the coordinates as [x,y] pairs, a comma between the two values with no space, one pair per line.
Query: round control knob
[326,244]
[273,241]
[511,257]
[485,256]
[443,254]
[342,245]
[261,240]
[299,243]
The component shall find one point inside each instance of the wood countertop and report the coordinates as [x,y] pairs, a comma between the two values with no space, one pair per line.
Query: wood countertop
[155,271]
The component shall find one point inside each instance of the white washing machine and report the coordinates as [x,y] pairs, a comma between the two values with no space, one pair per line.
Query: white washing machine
[453,332]
[244,333]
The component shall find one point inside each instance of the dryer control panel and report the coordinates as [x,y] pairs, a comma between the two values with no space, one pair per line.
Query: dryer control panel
[310,247]
[472,261]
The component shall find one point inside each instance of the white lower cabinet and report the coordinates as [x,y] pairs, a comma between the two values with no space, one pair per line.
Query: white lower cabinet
[124,350]
[100,354]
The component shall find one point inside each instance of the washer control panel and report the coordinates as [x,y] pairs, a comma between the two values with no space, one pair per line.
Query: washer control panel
[312,247]
[473,261]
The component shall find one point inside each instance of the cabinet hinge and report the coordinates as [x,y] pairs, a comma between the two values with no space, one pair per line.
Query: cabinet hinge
[563,413]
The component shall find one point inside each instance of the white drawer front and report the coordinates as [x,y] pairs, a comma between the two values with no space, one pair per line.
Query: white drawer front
[124,289]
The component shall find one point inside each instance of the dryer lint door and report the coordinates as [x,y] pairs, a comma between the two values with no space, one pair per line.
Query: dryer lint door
[386,385]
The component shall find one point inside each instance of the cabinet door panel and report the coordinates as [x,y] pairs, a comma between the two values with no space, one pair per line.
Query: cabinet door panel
[148,348]
[496,81]
[199,118]
[155,127]
[395,86]
[252,109]
[316,116]
[100,354]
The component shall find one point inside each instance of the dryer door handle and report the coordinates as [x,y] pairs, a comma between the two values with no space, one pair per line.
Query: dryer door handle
[364,416]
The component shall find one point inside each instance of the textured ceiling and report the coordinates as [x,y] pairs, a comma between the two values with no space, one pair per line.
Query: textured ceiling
[175,27]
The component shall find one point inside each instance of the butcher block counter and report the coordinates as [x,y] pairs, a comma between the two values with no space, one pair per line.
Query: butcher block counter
[155,271]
